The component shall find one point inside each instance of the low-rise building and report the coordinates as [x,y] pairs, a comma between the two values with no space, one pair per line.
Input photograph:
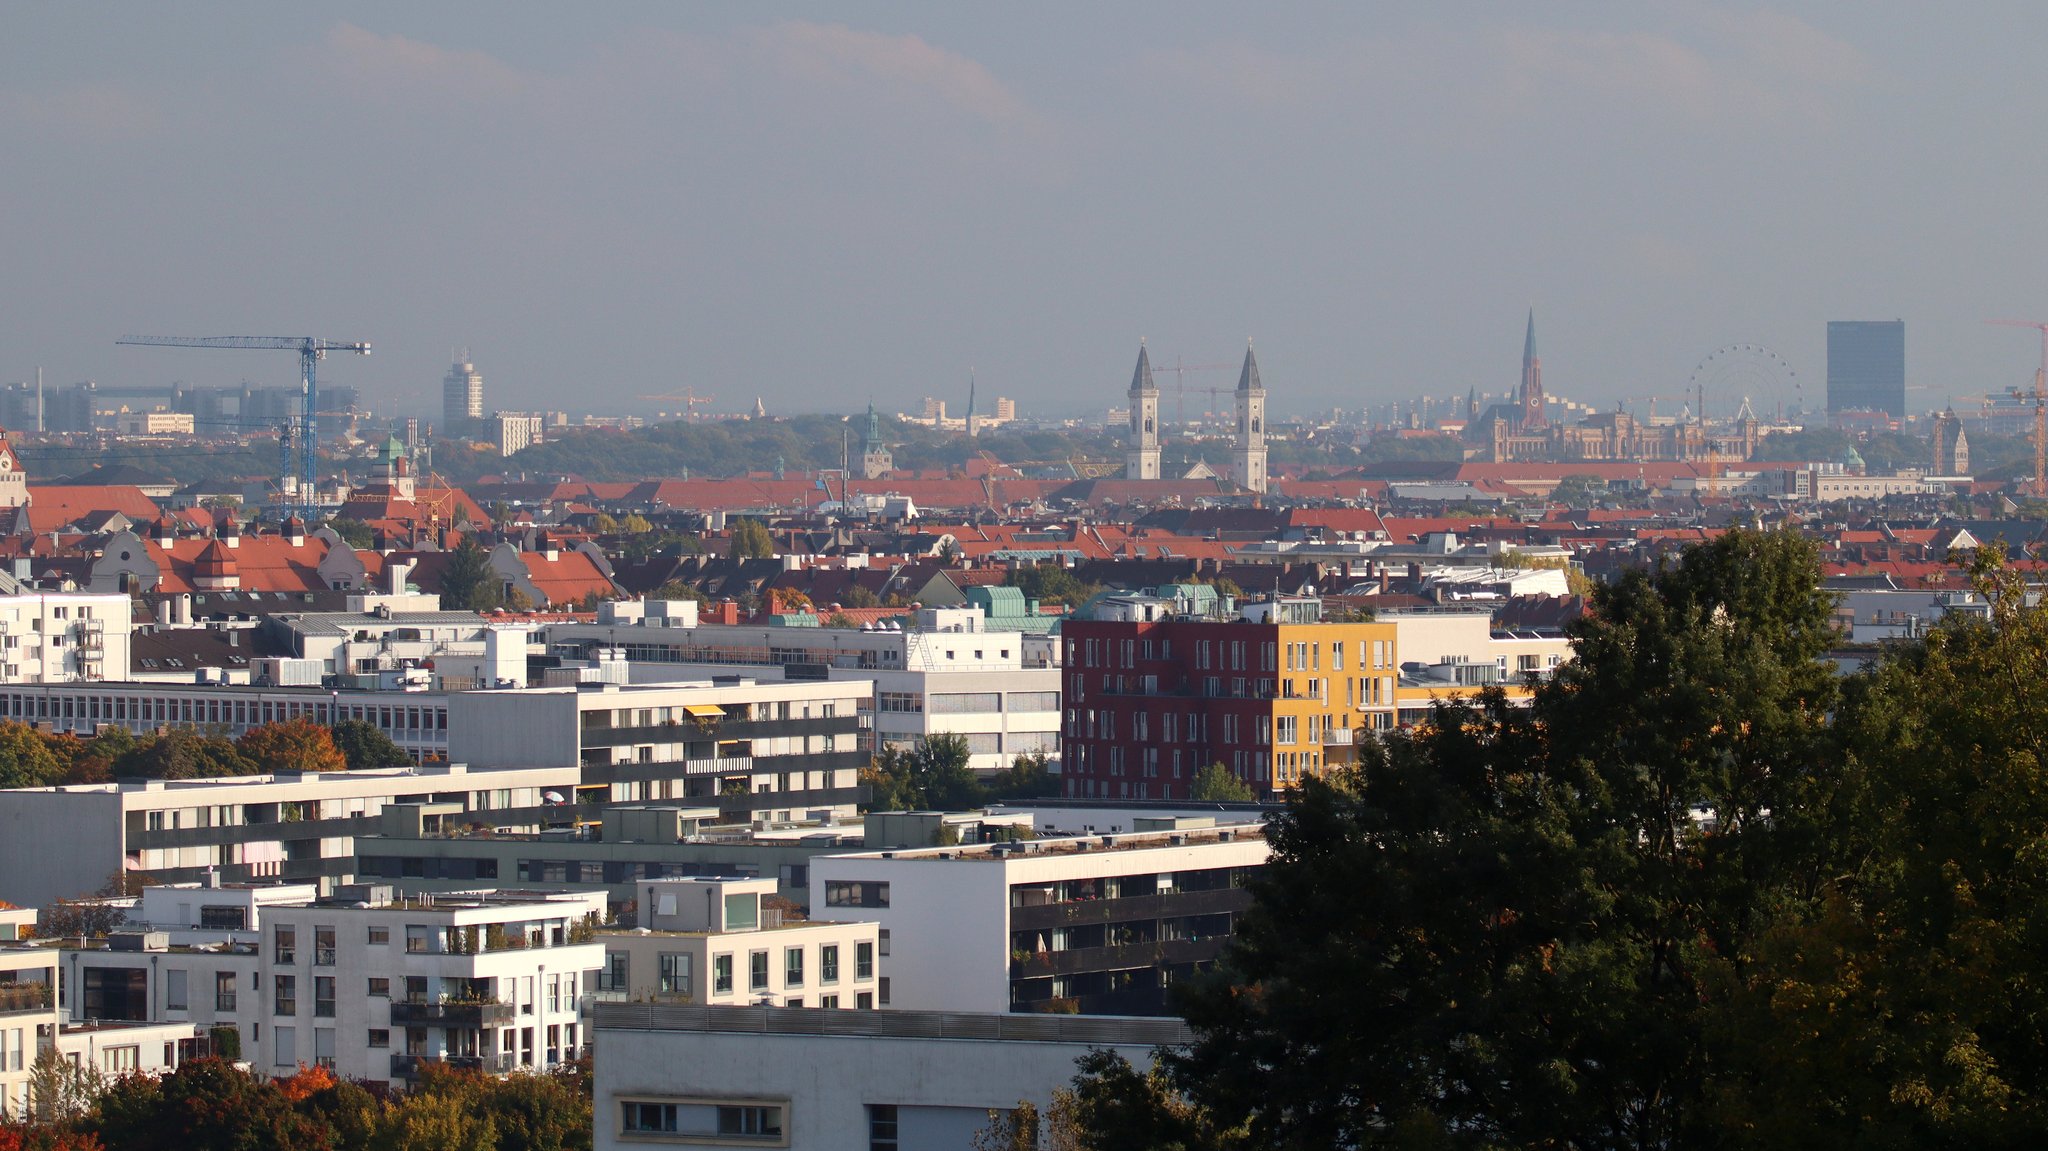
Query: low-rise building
[64,637]
[28,1007]
[944,675]
[1095,925]
[370,986]
[715,941]
[836,1081]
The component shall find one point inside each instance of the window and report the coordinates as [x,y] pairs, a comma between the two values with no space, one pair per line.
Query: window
[323,996]
[883,936]
[286,1040]
[380,985]
[676,973]
[882,1127]
[765,1122]
[864,1001]
[224,918]
[379,1037]
[121,1060]
[174,990]
[965,703]
[757,971]
[844,894]
[863,960]
[613,976]
[1034,701]
[884,985]
[286,989]
[418,939]
[287,939]
[792,967]
[323,947]
[828,963]
[323,1047]
[721,975]
[380,935]
[223,991]
[828,1001]
[648,1118]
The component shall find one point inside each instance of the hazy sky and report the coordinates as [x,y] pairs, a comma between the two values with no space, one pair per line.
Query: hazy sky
[821,204]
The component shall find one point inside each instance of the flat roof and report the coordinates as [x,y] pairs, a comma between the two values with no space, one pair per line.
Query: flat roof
[825,1021]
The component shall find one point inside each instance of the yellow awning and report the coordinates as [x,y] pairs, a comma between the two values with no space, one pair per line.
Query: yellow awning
[704,710]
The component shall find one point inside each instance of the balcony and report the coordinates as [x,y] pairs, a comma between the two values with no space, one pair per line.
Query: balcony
[451,1013]
[1116,958]
[24,998]
[1175,903]
[409,1066]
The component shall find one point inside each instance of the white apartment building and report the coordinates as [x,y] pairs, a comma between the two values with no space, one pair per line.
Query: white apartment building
[1000,690]
[28,1007]
[836,1081]
[415,720]
[1095,925]
[759,751]
[711,941]
[59,842]
[64,637]
[369,986]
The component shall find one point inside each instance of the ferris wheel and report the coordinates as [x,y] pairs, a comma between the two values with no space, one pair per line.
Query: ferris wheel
[1750,374]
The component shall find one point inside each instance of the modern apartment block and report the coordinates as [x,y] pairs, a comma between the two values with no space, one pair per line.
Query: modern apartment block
[1867,366]
[999,690]
[1094,925]
[64,637]
[28,1007]
[415,720]
[634,842]
[757,751]
[836,1081]
[1152,697]
[371,986]
[60,842]
[714,941]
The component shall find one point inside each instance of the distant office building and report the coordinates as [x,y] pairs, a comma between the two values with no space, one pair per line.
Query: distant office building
[1867,366]
[516,431]
[462,397]
[1006,409]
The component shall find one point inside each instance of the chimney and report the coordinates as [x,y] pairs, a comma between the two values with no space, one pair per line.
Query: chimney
[395,575]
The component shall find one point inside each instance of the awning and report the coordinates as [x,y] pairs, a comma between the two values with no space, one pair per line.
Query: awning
[704,710]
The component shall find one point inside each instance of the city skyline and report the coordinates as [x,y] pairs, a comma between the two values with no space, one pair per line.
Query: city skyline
[643,200]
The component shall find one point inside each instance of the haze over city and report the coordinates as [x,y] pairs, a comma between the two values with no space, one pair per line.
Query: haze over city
[819,205]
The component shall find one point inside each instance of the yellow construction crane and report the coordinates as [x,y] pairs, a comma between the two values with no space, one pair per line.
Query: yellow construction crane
[2040,406]
[688,398]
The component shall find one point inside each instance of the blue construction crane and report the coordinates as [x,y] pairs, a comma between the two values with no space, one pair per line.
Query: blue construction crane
[311,351]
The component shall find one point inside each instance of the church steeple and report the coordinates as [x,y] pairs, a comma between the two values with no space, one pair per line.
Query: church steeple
[1251,425]
[875,459]
[1531,395]
[1141,458]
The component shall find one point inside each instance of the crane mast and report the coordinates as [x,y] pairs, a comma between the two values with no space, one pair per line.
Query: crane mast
[2040,436]
[304,434]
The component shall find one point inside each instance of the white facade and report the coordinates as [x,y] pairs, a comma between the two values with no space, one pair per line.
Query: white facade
[57,842]
[415,720]
[945,676]
[369,987]
[28,1007]
[774,751]
[1141,457]
[64,637]
[827,1081]
[1444,638]
[950,941]
[711,941]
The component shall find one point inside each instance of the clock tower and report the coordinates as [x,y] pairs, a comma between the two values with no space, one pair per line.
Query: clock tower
[13,479]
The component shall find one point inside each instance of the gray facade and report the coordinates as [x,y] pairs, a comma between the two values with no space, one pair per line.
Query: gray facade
[1867,366]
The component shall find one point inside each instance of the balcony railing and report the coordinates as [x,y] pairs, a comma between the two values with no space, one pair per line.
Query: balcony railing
[24,997]
[409,1066]
[451,1013]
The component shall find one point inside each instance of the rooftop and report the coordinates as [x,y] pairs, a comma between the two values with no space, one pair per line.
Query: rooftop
[1076,845]
[1090,1029]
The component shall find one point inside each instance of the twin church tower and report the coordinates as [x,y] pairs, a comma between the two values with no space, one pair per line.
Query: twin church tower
[1248,452]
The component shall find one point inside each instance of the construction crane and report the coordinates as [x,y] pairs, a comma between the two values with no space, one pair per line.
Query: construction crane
[1180,384]
[2040,406]
[311,350]
[689,399]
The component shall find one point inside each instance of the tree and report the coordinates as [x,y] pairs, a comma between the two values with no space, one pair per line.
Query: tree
[60,1091]
[930,775]
[1029,776]
[354,533]
[469,582]
[1522,926]
[1216,784]
[26,759]
[750,540]
[606,525]
[363,744]
[1115,1107]
[292,745]
[1579,490]
[859,595]
[87,918]
[636,525]
[183,753]
[205,1105]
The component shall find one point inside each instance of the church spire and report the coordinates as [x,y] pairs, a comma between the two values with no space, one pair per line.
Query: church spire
[1529,341]
[1248,379]
[1141,380]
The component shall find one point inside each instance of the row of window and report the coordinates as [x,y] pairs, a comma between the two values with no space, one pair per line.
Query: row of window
[676,973]
[702,1119]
